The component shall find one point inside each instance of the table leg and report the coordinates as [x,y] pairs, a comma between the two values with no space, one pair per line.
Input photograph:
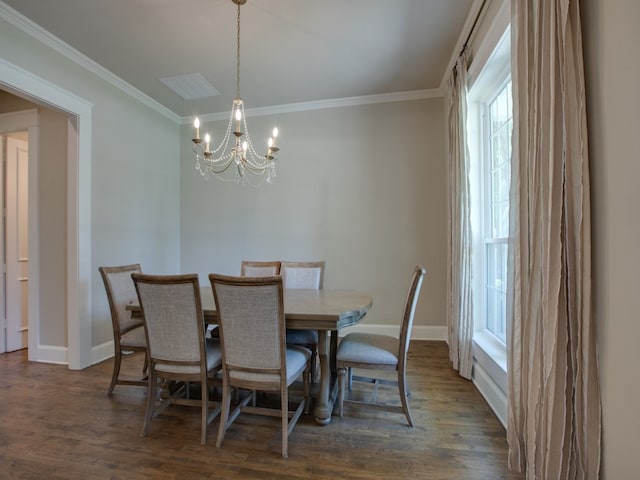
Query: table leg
[324,403]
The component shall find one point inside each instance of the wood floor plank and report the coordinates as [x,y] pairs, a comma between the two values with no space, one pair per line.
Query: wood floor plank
[59,424]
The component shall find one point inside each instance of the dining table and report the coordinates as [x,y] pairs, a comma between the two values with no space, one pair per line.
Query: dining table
[324,310]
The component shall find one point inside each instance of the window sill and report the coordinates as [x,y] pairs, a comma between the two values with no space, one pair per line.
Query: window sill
[491,347]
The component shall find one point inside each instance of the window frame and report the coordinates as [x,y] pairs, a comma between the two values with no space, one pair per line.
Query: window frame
[487,80]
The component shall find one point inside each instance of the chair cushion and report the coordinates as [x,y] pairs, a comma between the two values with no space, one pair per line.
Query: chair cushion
[302,337]
[214,353]
[297,358]
[133,338]
[214,360]
[368,348]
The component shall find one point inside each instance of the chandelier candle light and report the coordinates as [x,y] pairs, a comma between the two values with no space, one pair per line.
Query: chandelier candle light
[239,152]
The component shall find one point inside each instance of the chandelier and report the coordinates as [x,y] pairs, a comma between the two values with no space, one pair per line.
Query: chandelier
[236,152]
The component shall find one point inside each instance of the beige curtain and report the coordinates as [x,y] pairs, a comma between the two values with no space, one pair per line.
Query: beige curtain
[459,304]
[554,424]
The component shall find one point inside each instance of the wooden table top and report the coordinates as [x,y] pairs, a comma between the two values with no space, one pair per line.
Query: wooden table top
[306,309]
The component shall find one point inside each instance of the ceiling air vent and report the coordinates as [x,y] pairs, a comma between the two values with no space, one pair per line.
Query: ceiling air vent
[190,87]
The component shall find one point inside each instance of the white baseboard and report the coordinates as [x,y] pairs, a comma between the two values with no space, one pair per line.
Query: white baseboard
[102,352]
[49,354]
[420,332]
[60,355]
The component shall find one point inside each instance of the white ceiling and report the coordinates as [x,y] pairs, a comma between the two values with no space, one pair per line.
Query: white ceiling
[292,51]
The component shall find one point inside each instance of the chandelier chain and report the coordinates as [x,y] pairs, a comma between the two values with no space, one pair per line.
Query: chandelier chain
[238,56]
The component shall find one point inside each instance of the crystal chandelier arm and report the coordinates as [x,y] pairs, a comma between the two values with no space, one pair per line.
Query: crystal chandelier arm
[223,169]
[256,170]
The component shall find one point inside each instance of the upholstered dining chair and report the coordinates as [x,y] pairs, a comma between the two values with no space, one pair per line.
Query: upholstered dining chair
[374,352]
[178,351]
[308,275]
[255,356]
[128,333]
[251,268]
[259,269]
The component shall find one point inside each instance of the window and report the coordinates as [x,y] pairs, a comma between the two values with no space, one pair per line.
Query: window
[496,173]
[489,126]
[490,123]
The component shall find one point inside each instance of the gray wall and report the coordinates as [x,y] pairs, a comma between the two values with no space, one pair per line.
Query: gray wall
[52,214]
[135,193]
[611,38]
[362,187]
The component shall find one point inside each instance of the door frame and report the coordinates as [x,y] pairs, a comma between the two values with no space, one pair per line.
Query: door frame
[23,83]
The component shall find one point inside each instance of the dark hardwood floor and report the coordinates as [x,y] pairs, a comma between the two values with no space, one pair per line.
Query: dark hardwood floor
[56,423]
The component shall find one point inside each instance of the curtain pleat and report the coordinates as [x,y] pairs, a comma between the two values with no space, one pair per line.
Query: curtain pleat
[554,423]
[459,301]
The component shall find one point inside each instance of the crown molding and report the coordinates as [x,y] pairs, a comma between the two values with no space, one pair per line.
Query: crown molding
[34,30]
[322,104]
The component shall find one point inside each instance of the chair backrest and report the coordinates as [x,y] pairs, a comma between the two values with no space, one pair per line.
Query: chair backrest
[302,274]
[172,311]
[409,309]
[259,269]
[120,293]
[251,322]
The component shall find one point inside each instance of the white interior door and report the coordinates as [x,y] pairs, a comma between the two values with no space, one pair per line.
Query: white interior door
[16,243]
[3,316]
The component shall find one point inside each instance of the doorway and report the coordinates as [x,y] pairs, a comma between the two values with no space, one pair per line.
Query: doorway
[14,239]
[76,351]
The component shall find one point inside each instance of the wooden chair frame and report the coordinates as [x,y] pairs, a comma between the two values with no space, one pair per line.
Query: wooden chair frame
[155,403]
[345,366]
[119,331]
[289,418]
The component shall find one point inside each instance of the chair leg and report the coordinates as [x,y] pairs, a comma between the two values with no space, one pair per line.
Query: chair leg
[284,406]
[204,398]
[402,386]
[306,380]
[117,359]
[224,413]
[314,363]
[342,386]
[333,349]
[152,392]
[145,367]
